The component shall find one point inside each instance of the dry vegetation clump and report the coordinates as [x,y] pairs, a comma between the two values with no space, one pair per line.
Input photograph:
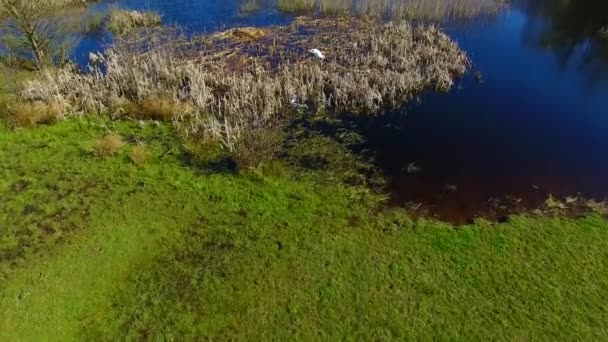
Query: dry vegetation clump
[30,114]
[124,21]
[221,85]
[139,154]
[160,108]
[108,145]
[243,34]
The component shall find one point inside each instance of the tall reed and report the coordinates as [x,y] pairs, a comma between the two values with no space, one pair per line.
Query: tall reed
[410,9]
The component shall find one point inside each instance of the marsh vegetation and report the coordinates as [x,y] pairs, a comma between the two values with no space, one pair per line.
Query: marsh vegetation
[219,86]
[412,9]
[122,21]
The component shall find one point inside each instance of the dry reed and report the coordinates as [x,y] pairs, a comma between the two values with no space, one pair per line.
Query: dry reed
[222,86]
[124,21]
[396,9]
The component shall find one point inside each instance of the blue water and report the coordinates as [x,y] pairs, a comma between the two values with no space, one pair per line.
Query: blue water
[537,124]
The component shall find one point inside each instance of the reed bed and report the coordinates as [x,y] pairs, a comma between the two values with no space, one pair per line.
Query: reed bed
[216,87]
[124,21]
[395,9]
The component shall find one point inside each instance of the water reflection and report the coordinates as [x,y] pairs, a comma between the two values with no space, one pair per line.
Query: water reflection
[573,30]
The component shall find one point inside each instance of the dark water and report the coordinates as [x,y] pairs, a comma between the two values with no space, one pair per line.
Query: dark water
[536,125]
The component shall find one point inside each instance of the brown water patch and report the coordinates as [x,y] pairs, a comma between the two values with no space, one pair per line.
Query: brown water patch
[460,173]
[495,199]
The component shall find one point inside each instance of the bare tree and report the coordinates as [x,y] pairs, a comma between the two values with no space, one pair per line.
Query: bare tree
[37,28]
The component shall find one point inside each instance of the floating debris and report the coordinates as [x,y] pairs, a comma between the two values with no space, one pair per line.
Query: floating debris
[479,77]
[603,32]
[413,168]
[451,187]
[571,200]
[554,203]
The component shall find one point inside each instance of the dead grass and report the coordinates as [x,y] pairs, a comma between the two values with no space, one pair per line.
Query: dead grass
[122,107]
[123,21]
[139,154]
[107,146]
[224,84]
[160,108]
[30,114]
[243,34]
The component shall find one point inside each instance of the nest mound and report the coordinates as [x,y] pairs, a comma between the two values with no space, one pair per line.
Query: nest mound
[242,34]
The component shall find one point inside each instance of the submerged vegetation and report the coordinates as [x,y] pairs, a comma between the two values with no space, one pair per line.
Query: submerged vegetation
[228,84]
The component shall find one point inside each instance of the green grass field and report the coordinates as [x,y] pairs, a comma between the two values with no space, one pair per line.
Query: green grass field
[102,249]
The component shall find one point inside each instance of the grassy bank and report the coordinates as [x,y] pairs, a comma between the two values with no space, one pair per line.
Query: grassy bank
[101,246]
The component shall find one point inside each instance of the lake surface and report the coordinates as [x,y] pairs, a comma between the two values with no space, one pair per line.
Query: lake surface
[536,125]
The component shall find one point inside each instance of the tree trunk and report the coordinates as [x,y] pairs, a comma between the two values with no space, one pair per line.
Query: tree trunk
[38,53]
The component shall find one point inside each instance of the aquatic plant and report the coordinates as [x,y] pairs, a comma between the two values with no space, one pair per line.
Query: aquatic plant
[223,86]
[124,21]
